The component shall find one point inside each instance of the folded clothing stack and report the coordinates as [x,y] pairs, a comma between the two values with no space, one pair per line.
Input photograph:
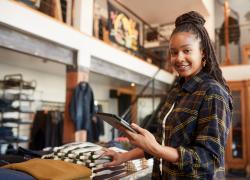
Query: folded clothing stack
[83,153]
[45,169]
[136,165]
[133,165]
[115,172]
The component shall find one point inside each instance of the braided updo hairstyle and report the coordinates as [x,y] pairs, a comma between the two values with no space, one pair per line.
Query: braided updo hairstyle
[194,22]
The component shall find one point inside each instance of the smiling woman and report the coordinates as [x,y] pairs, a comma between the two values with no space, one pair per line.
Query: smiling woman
[186,54]
[196,117]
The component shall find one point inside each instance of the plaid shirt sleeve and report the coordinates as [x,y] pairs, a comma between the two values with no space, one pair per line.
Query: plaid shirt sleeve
[208,149]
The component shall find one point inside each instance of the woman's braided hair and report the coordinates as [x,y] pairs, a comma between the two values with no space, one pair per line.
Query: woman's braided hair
[194,22]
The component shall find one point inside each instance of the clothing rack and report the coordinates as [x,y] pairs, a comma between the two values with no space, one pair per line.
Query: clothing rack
[52,105]
[47,125]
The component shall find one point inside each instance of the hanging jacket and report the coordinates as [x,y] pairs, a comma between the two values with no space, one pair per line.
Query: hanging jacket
[82,108]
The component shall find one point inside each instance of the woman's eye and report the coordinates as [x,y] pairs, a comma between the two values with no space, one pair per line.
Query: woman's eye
[186,51]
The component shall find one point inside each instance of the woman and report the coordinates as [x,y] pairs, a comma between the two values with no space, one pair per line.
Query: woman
[196,117]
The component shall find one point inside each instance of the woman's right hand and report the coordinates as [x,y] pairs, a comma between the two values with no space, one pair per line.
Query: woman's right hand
[117,158]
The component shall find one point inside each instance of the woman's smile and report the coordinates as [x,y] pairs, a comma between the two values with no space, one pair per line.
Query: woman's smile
[182,67]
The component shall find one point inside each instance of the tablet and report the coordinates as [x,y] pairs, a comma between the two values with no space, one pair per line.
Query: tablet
[115,121]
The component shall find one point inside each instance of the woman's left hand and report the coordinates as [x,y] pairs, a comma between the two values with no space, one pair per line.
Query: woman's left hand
[144,139]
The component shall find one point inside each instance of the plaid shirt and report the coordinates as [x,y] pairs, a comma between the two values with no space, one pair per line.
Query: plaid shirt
[197,127]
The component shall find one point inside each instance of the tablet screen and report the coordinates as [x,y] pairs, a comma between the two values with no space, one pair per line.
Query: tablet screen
[115,121]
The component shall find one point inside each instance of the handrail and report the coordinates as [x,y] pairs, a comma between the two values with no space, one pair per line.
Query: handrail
[141,92]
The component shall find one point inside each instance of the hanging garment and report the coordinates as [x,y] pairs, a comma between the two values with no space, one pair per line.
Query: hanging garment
[38,131]
[234,31]
[54,129]
[97,128]
[82,109]
[47,130]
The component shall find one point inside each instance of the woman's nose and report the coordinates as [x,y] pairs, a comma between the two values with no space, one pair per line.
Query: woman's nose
[180,56]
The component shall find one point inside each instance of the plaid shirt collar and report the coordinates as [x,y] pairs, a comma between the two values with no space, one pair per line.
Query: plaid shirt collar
[191,85]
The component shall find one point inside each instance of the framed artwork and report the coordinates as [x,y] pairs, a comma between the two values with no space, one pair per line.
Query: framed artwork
[123,30]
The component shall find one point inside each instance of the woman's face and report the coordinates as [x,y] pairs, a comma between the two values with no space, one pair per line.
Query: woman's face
[186,54]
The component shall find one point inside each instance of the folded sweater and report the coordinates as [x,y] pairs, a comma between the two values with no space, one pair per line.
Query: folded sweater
[52,169]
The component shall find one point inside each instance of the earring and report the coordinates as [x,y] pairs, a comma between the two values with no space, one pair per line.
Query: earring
[204,62]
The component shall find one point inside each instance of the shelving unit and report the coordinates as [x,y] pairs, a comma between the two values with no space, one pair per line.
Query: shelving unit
[16,113]
[238,147]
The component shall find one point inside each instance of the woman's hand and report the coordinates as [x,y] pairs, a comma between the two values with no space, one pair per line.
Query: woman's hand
[117,158]
[144,140]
